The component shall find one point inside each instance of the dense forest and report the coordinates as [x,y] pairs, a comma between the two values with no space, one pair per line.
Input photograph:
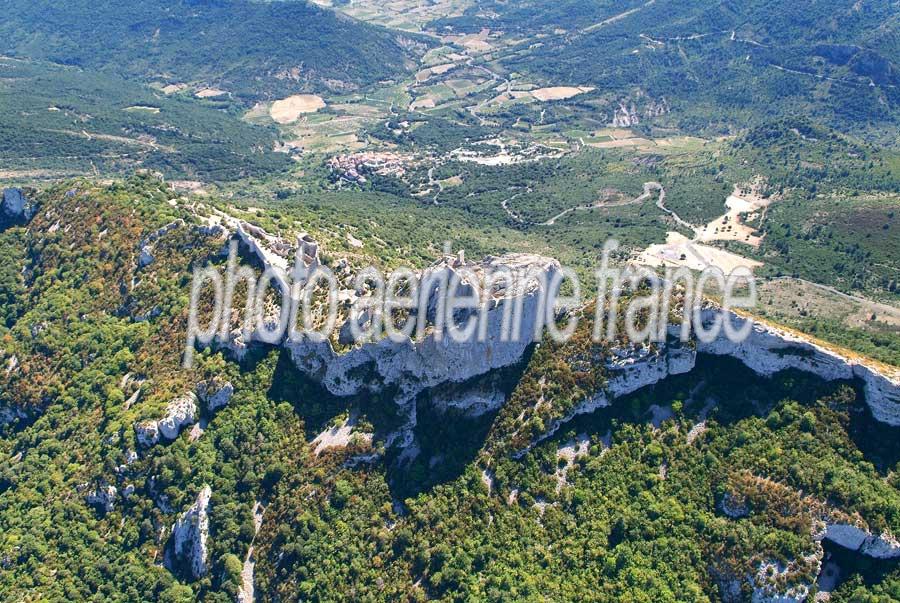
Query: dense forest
[251,49]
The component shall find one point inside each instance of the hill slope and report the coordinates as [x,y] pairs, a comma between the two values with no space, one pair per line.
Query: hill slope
[616,504]
[250,49]
[62,120]
[715,62]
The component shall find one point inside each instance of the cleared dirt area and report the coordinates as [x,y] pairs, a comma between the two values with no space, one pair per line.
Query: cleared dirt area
[173,88]
[436,70]
[408,15]
[679,251]
[153,110]
[742,204]
[473,43]
[422,103]
[619,144]
[288,110]
[210,93]
[559,92]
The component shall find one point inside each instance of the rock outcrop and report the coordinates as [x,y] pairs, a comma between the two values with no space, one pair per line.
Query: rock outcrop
[180,413]
[625,116]
[413,366]
[191,533]
[214,394]
[15,206]
[102,497]
[147,433]
[184,411]
[854,538]
[775,582]
[767,350]
[473,403]
[145,258]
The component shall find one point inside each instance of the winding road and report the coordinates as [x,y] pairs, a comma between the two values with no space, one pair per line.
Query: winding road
[649,189]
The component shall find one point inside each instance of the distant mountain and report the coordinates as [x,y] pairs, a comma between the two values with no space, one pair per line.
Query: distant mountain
[251,49]
[833,60]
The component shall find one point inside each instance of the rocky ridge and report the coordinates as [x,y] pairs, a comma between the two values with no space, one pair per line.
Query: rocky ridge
[191,533]
[415,366]
[412,366]
[766,351]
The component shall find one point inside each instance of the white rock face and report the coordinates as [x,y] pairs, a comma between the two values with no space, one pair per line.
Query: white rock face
[625,116]
[856,539]
[472,403]
[147,433]
[191,532]
[629,370]
[766,351]
[882,394]
[769,350]
[145,258]
[416,366]
[215,394]
[180,413]
[15,206]
[104,497]
[412,366]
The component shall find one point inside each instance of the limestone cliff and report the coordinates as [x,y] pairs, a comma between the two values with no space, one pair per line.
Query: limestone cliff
[766,351]
[769,350]
[411,367]
[190,534]
[15,206]
[857,539]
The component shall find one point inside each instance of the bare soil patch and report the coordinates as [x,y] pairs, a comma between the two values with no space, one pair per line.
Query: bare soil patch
[559,92]
[210,93]
[288,110]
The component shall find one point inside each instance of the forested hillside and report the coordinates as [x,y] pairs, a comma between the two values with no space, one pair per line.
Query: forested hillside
[60,120]
[717,62]
[251,49]
[627,501]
